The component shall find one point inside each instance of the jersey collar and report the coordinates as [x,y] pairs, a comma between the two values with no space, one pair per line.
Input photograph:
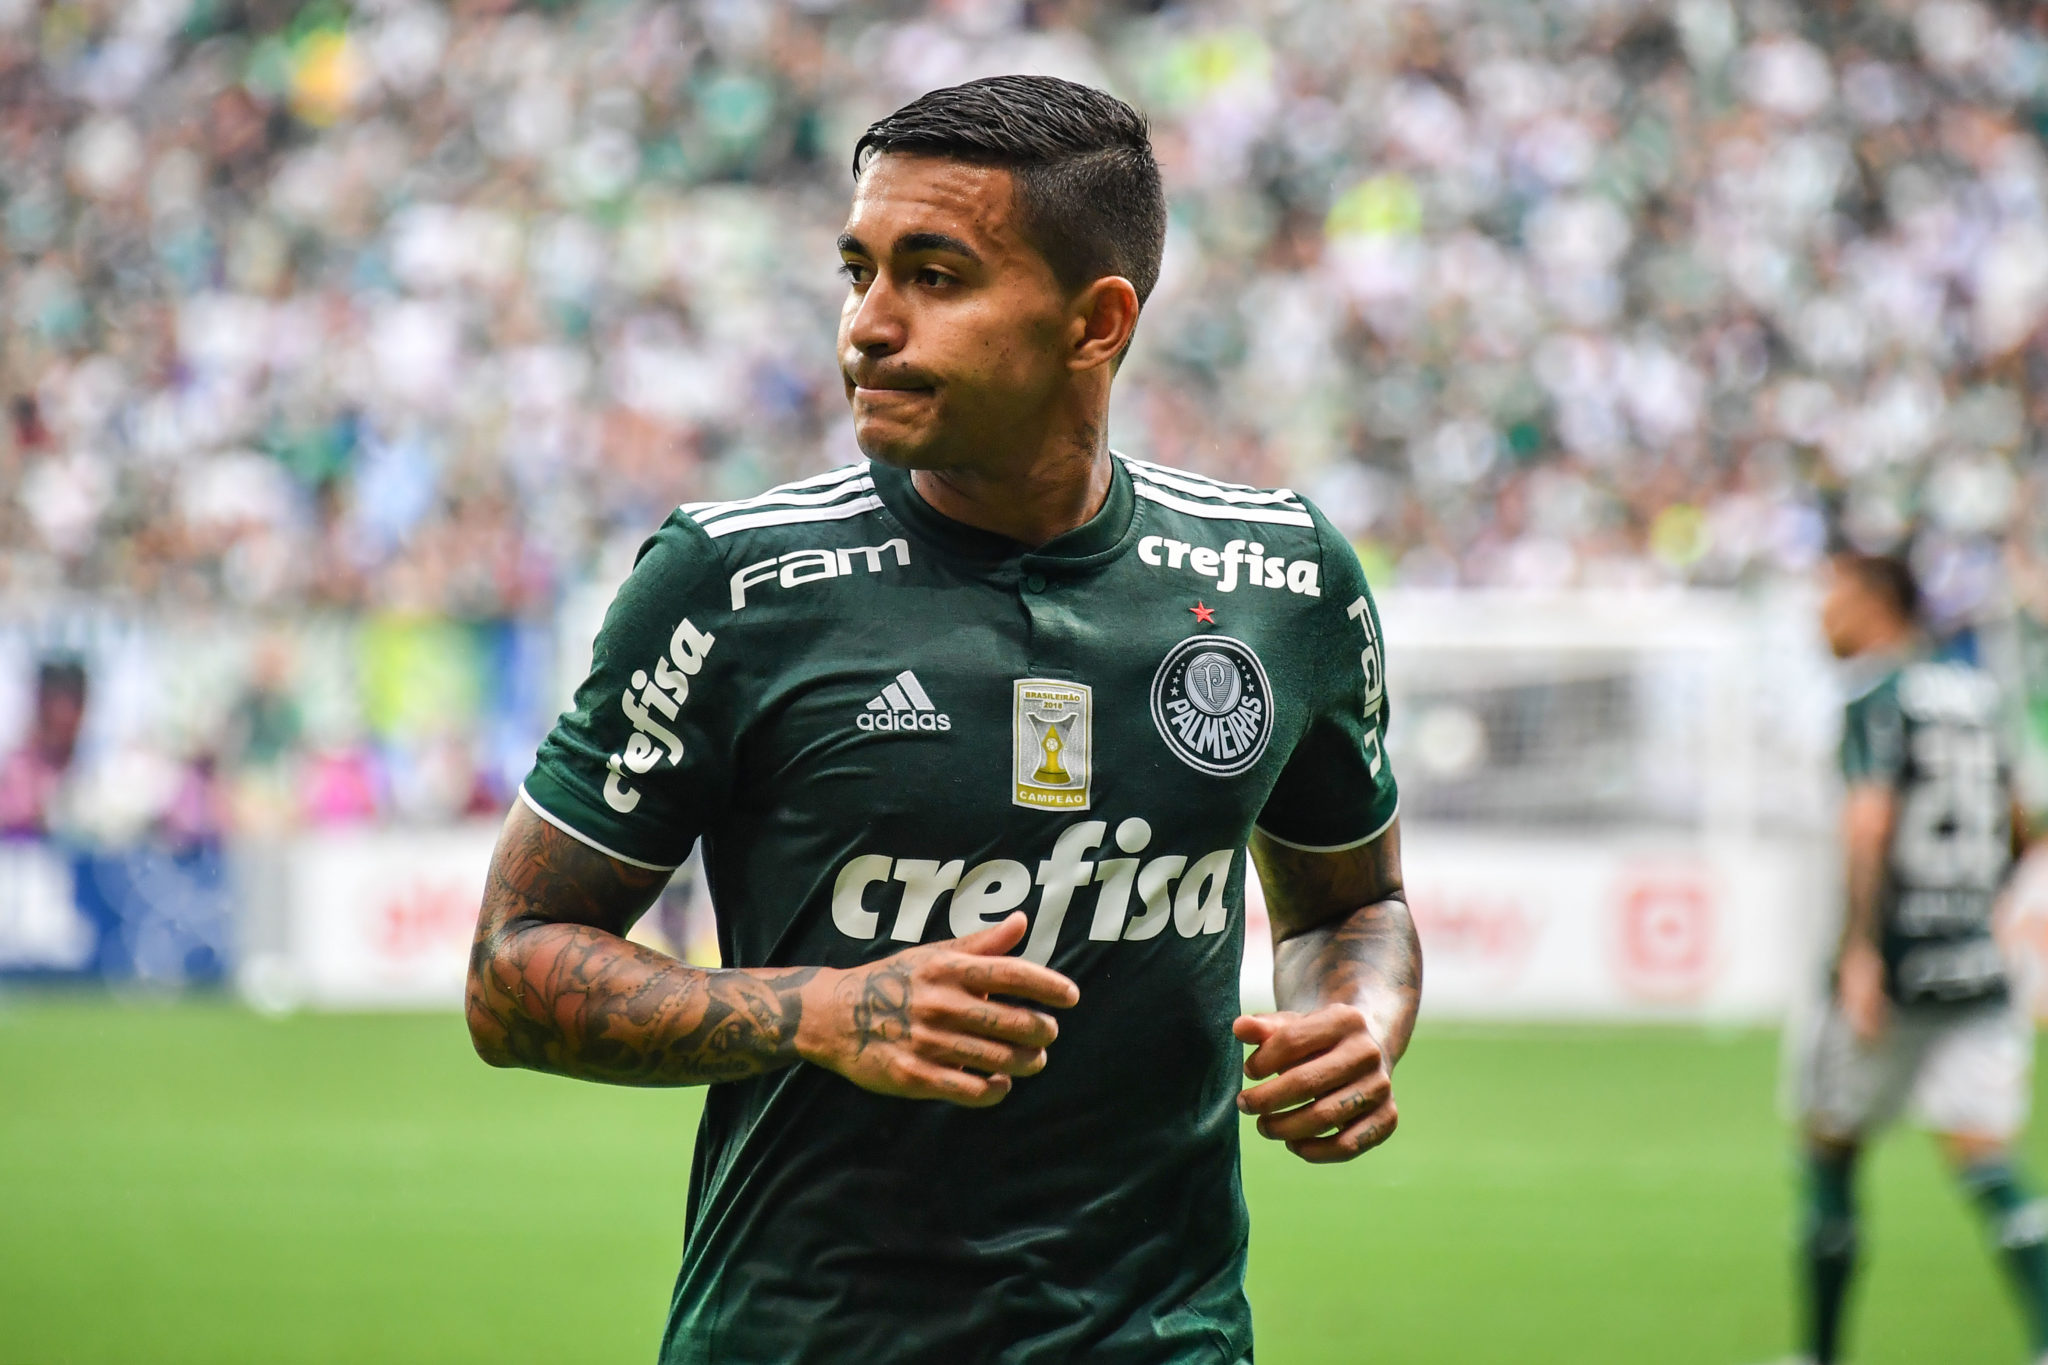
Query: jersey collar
[1101,538]
[1863,674]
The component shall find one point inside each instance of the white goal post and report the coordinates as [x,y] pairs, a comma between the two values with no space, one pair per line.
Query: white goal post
[1613,805]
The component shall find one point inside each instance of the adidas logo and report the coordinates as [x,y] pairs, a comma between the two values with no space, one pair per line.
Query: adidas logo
[903,705]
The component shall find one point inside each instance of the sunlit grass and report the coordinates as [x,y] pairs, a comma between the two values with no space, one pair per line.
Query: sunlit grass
[196,1183]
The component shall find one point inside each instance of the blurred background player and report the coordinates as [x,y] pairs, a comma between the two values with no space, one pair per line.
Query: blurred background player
[32,776]
[1922,1010]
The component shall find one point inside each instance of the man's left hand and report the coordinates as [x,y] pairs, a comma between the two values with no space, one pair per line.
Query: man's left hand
[1331,1096]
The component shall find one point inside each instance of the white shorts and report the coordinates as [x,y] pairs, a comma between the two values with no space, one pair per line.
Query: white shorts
[1960,1071]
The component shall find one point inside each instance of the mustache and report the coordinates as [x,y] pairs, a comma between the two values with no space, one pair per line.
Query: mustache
[887,377]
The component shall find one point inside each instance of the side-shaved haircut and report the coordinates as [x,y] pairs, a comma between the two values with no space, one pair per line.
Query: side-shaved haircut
[1890,577]
[1088,189]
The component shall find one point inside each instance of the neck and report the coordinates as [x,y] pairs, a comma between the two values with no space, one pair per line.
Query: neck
[1031,501]
[1887,643]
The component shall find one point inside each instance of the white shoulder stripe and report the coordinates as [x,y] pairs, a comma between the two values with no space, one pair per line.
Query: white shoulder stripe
[1206,486]
[836,474]
[1283,498]
[1158,468]
[839,480]
[1209,479]
[580,837]
[819,499]
[790,516]
[1278,497]
[1215,512]
[1333,848]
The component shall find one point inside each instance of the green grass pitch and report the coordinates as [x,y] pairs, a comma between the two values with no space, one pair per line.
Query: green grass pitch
[194,1183]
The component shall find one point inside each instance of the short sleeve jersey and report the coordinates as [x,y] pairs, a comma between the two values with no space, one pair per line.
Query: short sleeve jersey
[889,728]
[1928,731]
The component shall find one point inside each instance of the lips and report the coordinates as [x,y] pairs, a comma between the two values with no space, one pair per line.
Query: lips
[873,384]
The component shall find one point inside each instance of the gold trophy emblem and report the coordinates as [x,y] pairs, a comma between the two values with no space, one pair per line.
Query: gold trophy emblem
[1052,749]
[1051,740]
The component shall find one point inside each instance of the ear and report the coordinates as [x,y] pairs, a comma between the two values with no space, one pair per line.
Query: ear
[1105,314]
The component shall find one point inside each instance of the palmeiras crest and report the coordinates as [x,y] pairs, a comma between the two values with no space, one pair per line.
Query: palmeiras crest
[1213,705]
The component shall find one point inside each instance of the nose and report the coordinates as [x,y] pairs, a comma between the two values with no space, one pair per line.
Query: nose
[873,321]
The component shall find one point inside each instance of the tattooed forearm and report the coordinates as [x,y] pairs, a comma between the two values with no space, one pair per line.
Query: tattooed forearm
[554,985]
[1369,958]
[1342,932]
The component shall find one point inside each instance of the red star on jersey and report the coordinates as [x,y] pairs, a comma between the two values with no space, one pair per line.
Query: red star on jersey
[1205,615]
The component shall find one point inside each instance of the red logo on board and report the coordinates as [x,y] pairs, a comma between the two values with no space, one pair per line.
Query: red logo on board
[1665,935]
[422,916]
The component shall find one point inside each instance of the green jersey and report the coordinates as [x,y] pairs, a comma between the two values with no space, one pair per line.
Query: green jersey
[1929,732]
[888,728]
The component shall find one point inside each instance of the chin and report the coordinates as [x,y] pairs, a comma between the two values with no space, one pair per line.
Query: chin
[887,444]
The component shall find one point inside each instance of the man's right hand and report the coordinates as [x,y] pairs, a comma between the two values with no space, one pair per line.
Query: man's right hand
[1860,986]
[920,1023]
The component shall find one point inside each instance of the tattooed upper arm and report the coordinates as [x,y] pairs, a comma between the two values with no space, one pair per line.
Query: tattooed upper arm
[540,876]
[555,986]
[1305,890]
[540,873]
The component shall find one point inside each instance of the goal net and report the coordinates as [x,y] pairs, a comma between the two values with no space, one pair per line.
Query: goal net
[1612,805]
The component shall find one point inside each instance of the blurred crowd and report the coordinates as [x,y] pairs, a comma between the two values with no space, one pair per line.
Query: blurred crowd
[419,312]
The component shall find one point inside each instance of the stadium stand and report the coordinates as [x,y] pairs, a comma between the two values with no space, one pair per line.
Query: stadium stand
[354,338]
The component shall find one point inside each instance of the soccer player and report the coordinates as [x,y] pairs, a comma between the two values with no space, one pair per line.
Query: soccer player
[1921,1010]
[975,735]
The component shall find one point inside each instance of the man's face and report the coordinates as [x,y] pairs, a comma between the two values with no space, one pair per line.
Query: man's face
[60,713]
[1851,615]
[955,336]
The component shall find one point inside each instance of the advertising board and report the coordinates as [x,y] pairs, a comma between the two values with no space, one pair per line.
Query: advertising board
[1517,926]
[376,919]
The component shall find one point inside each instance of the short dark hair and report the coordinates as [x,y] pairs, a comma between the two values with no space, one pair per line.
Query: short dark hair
[1891,577]
[60,675]
[1088,189]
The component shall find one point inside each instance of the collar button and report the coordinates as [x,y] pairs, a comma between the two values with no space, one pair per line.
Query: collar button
[1034,582]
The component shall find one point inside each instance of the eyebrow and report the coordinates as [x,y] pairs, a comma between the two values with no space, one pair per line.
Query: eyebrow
[910,243]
